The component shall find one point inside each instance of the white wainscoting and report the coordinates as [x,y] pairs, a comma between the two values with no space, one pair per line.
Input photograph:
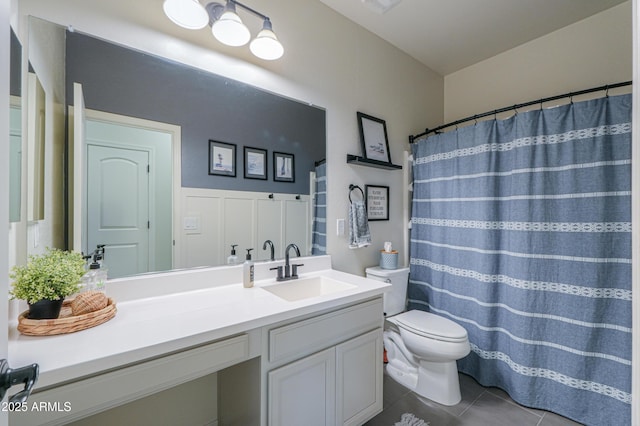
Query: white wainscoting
[212,220]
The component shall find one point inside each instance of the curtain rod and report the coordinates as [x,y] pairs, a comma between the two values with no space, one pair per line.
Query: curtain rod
[516,106]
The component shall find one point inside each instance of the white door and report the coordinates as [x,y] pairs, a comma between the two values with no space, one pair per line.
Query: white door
[118,207]
[359,378]
[303,392]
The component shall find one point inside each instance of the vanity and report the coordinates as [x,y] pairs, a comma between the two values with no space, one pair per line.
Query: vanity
[305,351]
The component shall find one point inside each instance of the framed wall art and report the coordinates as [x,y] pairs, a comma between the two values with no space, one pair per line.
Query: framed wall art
[222,158]
[373,138]
[283,167]
[377,202]
[255,163]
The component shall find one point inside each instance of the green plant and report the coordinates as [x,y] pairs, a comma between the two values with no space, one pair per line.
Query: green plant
[53,275]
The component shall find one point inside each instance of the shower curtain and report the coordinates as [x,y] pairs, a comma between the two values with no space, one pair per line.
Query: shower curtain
[319,229]
[521,233]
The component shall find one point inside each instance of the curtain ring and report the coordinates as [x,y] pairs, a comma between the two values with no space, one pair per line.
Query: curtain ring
[475,117]
[571,98]
[606,93]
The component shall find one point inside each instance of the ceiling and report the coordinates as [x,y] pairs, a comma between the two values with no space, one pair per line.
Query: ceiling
[448,35]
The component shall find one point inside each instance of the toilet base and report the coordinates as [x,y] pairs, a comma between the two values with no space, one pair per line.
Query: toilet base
[407,379]
[436,381]
[439,382]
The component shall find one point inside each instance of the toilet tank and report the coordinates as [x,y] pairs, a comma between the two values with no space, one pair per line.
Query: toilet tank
[395,300]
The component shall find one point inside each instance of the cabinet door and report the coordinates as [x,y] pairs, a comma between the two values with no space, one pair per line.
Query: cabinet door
[359,378]
[303,392]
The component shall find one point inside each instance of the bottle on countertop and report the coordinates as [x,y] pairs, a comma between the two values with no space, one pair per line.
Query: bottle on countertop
[247,271]
[95,279]
[232,259]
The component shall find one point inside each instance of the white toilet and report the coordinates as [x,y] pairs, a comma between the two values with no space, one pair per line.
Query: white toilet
[422,348]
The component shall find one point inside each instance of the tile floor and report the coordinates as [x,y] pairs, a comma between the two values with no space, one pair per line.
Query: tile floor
[479,407]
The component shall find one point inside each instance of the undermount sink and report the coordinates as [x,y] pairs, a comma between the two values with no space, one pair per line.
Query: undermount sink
[305,288]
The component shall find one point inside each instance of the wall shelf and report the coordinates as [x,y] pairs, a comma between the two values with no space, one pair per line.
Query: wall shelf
[361,161]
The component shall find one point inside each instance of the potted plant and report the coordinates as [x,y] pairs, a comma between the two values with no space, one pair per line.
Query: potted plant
[46,280]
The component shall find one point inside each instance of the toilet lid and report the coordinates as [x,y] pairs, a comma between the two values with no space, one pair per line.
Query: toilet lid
[432,326]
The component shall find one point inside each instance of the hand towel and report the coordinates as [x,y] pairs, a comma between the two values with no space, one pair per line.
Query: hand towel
[359,235]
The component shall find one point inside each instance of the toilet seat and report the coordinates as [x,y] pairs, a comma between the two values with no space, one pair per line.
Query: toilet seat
[431,326]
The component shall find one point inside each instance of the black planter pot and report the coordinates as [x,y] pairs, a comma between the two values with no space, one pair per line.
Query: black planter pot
[45,309]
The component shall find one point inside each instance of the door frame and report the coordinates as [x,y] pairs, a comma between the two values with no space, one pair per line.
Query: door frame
[4,188]
[176,148]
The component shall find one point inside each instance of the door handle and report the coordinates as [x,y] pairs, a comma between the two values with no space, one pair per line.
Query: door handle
[9,377]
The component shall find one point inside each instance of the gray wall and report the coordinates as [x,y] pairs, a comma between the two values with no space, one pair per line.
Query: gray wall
[207,106]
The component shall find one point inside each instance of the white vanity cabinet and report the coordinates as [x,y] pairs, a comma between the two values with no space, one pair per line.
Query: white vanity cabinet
[62,404]
[327,369]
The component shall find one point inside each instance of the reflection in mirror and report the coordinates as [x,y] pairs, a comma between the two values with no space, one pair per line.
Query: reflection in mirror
[15,129]
[44,133]
[35,147]
[126,91]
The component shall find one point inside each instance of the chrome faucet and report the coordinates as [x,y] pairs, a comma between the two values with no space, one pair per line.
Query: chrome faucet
[290,271]
[270,243]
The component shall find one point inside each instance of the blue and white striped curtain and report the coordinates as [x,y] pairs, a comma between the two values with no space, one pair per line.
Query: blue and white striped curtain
[521,233]
[319,230]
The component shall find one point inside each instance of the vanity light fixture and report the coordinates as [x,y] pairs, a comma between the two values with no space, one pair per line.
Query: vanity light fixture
[226,25]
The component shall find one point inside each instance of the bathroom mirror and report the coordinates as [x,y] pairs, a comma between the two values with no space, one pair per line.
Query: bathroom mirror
[119,83]
[15,129]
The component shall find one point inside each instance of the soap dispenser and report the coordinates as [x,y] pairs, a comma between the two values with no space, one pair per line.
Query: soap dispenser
[247,271]
[95,278]
[232,259]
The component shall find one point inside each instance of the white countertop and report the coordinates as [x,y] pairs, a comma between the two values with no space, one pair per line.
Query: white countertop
[174,318]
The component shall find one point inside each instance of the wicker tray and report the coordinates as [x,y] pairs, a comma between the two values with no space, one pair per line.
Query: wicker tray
[66,322]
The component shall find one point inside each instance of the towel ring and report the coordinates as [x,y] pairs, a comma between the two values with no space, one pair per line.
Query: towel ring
[351,188]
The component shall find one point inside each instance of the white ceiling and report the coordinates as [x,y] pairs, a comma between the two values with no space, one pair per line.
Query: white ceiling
[448,35]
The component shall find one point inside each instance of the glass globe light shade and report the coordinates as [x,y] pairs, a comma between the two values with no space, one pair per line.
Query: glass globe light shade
[266,45]
[188,14]
[230,30]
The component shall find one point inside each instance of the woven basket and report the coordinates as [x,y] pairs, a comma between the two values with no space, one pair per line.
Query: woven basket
[66,322]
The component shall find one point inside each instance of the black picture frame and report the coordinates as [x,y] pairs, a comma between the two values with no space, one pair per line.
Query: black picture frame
[377,201]
[283,167]
[373,138]
[222,158]
[255,163]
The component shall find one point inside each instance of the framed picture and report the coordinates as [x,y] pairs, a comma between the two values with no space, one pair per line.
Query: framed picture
[283,167]
[222,158]
[255,163]
[377,202]
[373,137]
